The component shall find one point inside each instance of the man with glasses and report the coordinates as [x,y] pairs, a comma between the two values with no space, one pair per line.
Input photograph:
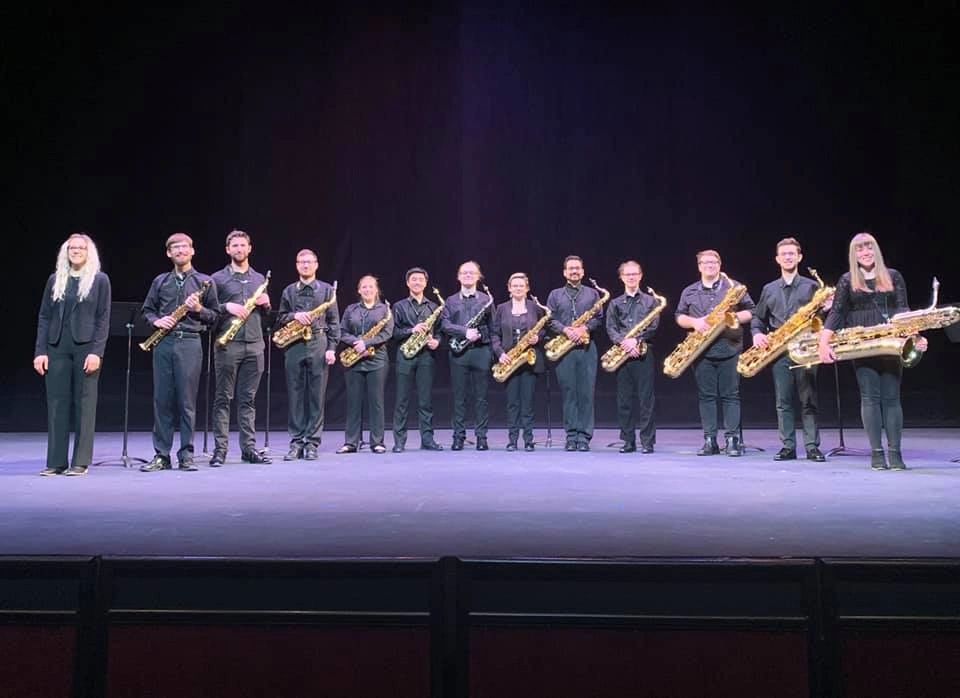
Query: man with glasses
[718,383]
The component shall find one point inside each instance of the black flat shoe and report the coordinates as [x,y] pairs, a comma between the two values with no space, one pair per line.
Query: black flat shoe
[457,445]
[398,448]
[788,454]
[218,458]
[482,443]
[431,446]
[734,447]
[512,446]
[878,461]
[815,455]
[47,472]
[347,448]
[76,470]
[379,448]
[896,461]
[571,446]
[295,453]
[310,453]
[158,463]
[646,448]
[528,446]
[187,464]
[583,446]
[709,448]
[628,448]
[256,457]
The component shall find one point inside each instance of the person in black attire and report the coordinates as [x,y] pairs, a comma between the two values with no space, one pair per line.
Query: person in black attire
[635,396]
[409,316]
[870,294]
[577,371]
[779,300]
[306,362]
[239,365]
[72,328]
[367,378]
[716,369]
[178,358]
[511,321]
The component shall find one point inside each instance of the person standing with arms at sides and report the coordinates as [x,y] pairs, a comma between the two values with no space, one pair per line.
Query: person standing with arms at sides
[512,321]
[239,364]
[577,370]
[464,319]
[367,378]
[178,358]
[718,382]
[635,396]
[870,294]
[779,300]
[410,316]
[306,362]
[72,329]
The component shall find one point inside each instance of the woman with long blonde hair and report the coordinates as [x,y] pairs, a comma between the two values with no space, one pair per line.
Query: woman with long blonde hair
[870,294]
[72,329]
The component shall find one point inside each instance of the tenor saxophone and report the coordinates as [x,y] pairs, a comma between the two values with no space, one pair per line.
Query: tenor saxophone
[615,356]
[459,345]
[295,330]
[418,340]
[236,323]
[350,356]
[522,352]
[178,314]
[558,347]
[806,319]
[695,343]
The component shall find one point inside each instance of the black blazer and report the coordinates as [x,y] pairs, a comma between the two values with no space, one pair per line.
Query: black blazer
[503,336]
[89,321]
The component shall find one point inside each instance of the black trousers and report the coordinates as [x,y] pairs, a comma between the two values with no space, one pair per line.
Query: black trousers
[636,400]
[718,385]
[177,363]
[306,371]
[365,390]
[801,382]
[577,376]
[470,370]
[239,366]
[879,381]
[71,395]
[521,387]
[419,373]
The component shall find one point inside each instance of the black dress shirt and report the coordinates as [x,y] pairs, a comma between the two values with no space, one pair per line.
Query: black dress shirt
[169,290]
[237,287]
[302,298]
[697,301]
[853,308]
[357,319]
[567,303]
[626,311]
[458,310]
[88,320]
[779,301]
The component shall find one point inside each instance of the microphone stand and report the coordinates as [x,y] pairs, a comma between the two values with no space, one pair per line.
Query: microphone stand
[206,389]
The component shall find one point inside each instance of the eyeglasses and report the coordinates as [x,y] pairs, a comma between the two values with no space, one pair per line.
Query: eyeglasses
[77,249]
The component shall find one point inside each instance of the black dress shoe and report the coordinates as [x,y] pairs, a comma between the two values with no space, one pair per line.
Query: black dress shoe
[310,452]
[646,448]
[571,446]
[878,461]
[815,455]
[347,448]
[398,448]
[218,458]
[528,446]
[431,446]
[734,448]
[257,457]
[628,448]
[295,452]
[457,444]
[482,443]
[187,464]
[788,454]
[583,446]
[46,472]
[76,470]
[896,461]
[158,463]
[709,448]
[378,448]
[512,446]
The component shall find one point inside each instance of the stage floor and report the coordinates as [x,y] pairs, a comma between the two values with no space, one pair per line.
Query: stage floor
[546,504]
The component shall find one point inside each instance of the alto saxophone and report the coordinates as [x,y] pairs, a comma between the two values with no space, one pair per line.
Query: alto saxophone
[350,356]
[695,343]
[418,340]
[178,314]
[294,330]
[806,319]
[894,338]
[459,345]
[615,356]
[522,352]
[236,323]
[557,347]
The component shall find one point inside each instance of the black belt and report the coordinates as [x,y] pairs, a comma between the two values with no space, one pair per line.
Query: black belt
[184,334]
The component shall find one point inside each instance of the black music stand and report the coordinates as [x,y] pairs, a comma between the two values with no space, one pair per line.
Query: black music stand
[842,449]
[125,318]
[270,321]
[548,442]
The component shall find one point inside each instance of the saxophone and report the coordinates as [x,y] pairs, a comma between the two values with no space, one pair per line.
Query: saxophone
[178,314]
[695,342]
[458,345]
[236,323]
[418,340]
[557,347]
[522,352]
[894,338]
[756,358]
[295,330]
[350,356]
[615,356]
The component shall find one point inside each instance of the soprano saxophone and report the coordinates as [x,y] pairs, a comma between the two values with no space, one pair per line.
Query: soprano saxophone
[695,343]
[237,322]
[295,330]
[522,352]
[350,356]
[457,344]
[178,314]
[615,356]
[806,319]
[557,347]
[418,340]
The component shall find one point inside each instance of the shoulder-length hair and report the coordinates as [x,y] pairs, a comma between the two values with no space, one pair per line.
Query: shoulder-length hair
[857,280]
[87,274]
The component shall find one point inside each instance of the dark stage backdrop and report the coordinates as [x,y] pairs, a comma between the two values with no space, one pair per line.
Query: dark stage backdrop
[511,133]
